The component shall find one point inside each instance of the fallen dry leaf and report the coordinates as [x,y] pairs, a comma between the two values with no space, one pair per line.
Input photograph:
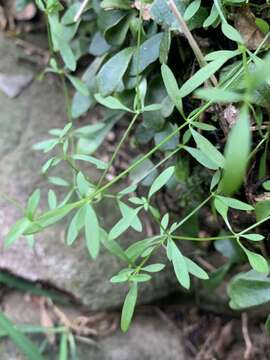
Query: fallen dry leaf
[245,23]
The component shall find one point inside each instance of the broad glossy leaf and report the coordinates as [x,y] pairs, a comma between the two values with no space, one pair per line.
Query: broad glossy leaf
[249,289]
[111,73]
[148,53]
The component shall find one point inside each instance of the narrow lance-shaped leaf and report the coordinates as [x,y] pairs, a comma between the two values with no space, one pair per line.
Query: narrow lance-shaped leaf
[63,352]
[129,307]
[196,270]
[111,102]
[24,344]
[208,149]
[180,266]
[33,202]
[92,232]
[201,76]
[236,154]
[16,231]
[171,86]
[219,95]
[161,180]
[79,85]
[257,261]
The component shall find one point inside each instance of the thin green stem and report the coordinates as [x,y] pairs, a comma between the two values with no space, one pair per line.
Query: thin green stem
[211,238]
[67,98]
[253,226]
[117,149]
[186,218]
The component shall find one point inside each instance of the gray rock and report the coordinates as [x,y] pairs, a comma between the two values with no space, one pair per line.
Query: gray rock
[25,121]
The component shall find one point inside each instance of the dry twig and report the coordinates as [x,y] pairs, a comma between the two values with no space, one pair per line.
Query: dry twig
[249,347]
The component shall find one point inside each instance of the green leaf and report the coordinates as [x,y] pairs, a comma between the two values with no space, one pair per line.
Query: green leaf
[123,224]
[161,180]
[75,226]
[84,187]
[118,4]
[148,53]
[127,211]
[203,126]
[111,102]
[179,265]
[249,289]
[201,76]
[235,160]
[152,107]
[57,181]
[153,268]
[32,203]
[253,237]
[222,209]
[63,351]
[201,158]
[92,160]
[235,204]
[137,249]
[257,261]
[24,344]
[219,95]
[231,33]
[92,232]
[266,185]
[267,323]
[111,73]
[191,10]
[54,215]
[171,86]
[195,269]
[208,149]
[16,231]
[113,247]
[52,200]
[79,85]
[129,307]
[262,209]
